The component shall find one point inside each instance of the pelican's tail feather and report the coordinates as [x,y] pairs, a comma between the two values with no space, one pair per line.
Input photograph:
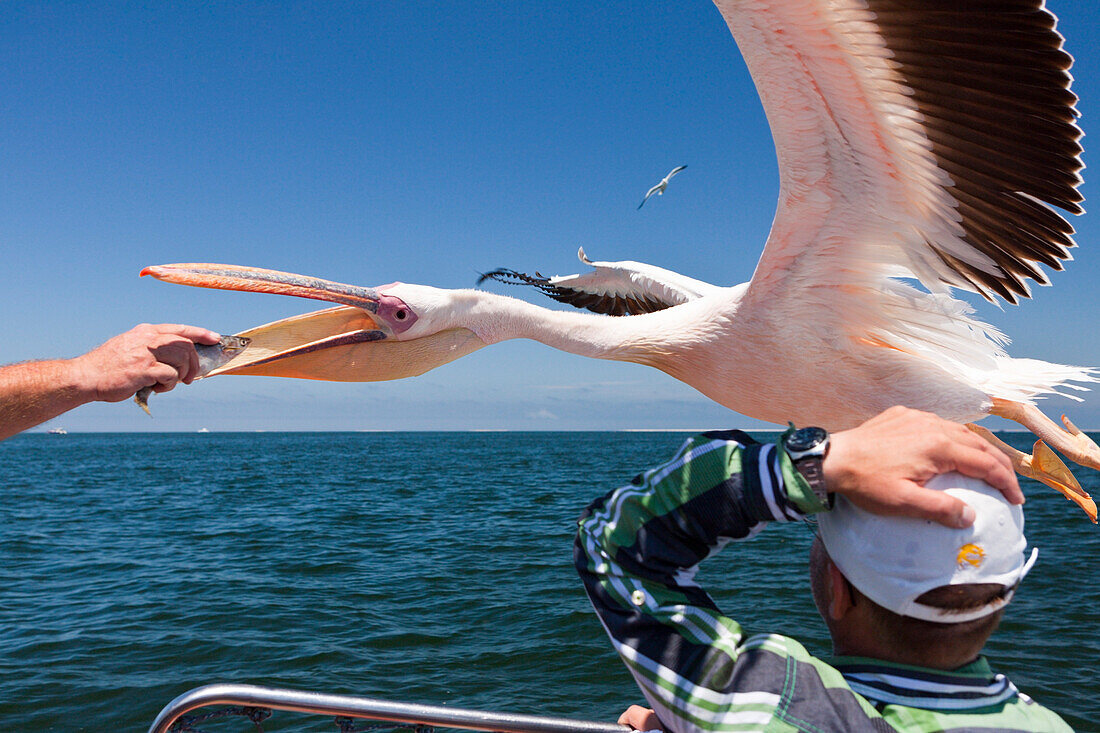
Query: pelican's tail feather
[1025,380]
[942,330]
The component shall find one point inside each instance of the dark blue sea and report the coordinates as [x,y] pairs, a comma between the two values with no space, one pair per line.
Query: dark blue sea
[432,568]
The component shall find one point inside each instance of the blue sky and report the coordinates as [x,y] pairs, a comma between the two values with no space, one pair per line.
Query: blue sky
[414,141]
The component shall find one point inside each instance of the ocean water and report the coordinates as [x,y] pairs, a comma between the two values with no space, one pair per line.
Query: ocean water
[431,568]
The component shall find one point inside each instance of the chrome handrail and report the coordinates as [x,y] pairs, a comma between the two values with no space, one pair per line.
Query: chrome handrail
[362,707]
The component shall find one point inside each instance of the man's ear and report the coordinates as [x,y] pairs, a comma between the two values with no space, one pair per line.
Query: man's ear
[840,592]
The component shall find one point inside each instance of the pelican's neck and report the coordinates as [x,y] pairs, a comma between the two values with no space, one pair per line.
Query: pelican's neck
[642,339]
[496,318]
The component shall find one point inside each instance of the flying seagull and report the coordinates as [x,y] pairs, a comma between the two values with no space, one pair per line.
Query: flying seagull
[921,148]
[659,189]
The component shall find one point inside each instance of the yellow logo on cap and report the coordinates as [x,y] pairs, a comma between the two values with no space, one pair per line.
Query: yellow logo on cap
[971,555]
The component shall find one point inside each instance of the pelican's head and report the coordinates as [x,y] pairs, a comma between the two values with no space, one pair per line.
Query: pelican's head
[393,312]
[388,332]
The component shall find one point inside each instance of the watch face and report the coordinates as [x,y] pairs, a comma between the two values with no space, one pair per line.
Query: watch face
[806,438]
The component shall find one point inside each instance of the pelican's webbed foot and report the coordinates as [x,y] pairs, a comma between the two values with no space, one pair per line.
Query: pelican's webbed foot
[1045,466]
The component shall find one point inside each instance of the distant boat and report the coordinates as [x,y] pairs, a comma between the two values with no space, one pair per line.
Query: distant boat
[57,431]
[204,430]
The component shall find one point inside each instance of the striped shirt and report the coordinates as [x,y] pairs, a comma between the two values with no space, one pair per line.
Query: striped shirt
[637,551]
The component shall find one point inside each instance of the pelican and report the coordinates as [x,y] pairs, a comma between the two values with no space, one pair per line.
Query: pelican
[921,149]
[659,189]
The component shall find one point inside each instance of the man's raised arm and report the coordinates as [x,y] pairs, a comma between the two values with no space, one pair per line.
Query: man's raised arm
[637,549]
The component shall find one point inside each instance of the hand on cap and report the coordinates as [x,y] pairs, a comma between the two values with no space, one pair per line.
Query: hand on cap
[147,355]
[881,466]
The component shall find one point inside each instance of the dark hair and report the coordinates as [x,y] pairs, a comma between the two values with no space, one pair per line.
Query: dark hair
[962,598]
[907,633]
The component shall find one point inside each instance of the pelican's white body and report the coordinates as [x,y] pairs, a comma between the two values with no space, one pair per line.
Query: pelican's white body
[771,363]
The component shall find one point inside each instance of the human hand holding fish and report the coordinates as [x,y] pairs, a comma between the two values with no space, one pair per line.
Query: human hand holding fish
[154,356]
[206,358]
[145,358]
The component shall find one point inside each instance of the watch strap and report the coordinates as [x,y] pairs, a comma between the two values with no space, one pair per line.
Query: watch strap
[813,471]
[810,468]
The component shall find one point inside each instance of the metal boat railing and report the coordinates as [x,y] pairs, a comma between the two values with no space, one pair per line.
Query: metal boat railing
[257,702]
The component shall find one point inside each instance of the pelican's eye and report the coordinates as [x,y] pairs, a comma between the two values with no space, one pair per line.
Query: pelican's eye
[396,313]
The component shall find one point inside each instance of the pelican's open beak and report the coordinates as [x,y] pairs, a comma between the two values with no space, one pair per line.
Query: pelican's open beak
[345,344]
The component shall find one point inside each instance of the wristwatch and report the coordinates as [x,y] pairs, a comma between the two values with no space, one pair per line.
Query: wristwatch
[807,448]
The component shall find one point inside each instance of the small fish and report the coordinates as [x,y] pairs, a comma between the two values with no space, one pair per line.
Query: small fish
[210,358]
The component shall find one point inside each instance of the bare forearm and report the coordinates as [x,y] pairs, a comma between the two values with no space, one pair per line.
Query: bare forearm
[157,356]
[33,392]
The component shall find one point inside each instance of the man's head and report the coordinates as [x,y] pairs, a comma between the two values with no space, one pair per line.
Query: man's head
[915,591]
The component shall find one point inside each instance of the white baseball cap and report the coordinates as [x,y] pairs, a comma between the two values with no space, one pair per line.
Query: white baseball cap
[894,560]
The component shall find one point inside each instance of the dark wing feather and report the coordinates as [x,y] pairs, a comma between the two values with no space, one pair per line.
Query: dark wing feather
[606,304]
[934,136]
[992,84]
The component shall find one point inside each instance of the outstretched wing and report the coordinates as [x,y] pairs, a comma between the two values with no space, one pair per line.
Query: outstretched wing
[649,193]
[613,288]
[920,138]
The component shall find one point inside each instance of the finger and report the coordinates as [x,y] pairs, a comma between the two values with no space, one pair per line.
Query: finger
[191,333]
[991,466]
[176,357]
[974,440]
[638,718]
[936,506]
[166,376]
[192,364]
[179,353]
[631,713]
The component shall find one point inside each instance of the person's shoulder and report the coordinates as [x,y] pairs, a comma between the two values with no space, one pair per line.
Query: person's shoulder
[784,646]
[1041,718]
[818,686]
